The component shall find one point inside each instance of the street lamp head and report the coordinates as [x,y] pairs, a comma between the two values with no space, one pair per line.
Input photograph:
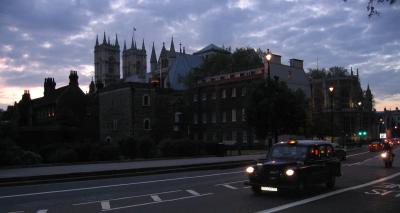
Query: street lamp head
[359,103]
[268,56]
[331,88]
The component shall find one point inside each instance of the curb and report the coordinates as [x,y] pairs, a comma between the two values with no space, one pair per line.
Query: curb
[28,180]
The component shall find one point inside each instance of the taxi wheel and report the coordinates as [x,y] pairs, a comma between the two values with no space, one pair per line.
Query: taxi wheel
[256,190]
[331,182]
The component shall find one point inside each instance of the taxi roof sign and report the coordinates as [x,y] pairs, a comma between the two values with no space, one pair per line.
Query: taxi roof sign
[292,142]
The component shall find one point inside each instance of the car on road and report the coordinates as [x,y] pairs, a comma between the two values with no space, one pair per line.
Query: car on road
[295,165]
[375,146]
[340,153]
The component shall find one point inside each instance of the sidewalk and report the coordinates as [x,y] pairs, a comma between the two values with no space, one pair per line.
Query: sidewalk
[17,176]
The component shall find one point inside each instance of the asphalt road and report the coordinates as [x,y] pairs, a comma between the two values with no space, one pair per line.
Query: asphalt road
[366,186]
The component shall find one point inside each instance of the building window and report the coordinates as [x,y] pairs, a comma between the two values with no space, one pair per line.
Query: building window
[146,124]
[214,95]
[178,116]
[204,96]
[244,137]
[115,125]
[146,100]
[214,117]
[234,134]
[195,98]
[223,94]
[204,118]
[195,118]
[223,117]
[244,91]
[233,115]
[243,114]
[233,92]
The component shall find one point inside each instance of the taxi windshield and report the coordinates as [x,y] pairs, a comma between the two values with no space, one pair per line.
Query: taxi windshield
[288,152]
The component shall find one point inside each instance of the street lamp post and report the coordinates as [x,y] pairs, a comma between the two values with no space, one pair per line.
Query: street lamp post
[331,88]
[268,56]
[360,125]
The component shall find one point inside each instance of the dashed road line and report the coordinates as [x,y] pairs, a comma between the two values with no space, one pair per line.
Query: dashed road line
[229,186]
[321,196]
[128,197]
[361,153]
[156,198]
[118,185]
[163,201]
[42,211]
[193,192]
[105,205]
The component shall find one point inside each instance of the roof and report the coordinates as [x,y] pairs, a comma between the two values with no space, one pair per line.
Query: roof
[209,48]
[183,65]
[51,98]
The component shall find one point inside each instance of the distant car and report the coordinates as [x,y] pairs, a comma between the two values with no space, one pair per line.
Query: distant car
[295,165]
[340,153]
[375,146]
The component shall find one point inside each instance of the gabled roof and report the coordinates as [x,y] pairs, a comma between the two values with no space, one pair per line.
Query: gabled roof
[51,98]
[210,48]
[183,65]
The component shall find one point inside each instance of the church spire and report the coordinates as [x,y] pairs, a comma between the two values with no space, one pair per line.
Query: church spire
[132,44]
[153,57]
[124,45]
[97,40]
[135,47]
[143,47]
[109,43]
[180,47]
[172,48]
[104,38]
[116,40]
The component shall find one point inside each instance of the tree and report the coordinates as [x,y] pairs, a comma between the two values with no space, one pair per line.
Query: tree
[274,109]
[222,63]
[371,6]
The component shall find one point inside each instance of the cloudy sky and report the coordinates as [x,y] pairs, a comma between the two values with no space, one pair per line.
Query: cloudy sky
[48,38]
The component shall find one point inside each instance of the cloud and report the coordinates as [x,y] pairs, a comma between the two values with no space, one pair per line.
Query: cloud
[49,38]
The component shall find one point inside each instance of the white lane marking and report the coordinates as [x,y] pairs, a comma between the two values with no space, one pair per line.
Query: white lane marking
[229,186]
[164,201]
[105,205]
[156,198]
[321,196]
[17,212]
[357,154]
[122,198]
[118,185]
[42,211]
[240,181]
[361,162]
[193,192]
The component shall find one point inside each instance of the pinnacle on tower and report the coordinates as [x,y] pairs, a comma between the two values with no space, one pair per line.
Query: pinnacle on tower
[135,47]
[109,43]
[124,45]
[104,38]
[180,47]
[97,40]
[132,44]
[116,40]
[184,50]
[172,47]
[153,57]
[143,47]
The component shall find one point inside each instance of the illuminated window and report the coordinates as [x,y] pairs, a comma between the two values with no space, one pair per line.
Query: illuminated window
[233,115]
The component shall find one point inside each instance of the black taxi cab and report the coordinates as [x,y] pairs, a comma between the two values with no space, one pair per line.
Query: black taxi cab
[295,164]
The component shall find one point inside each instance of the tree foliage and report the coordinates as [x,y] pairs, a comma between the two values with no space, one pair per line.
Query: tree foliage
[273,108]
[335,71]
[371,6]
[222,63]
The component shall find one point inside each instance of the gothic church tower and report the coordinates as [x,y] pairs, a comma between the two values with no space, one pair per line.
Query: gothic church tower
[106,62]
[134,60]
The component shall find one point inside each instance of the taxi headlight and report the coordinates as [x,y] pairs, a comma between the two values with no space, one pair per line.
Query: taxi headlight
[250,169]
[289,172]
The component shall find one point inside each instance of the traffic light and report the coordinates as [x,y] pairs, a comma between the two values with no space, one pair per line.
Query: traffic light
[362,133]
